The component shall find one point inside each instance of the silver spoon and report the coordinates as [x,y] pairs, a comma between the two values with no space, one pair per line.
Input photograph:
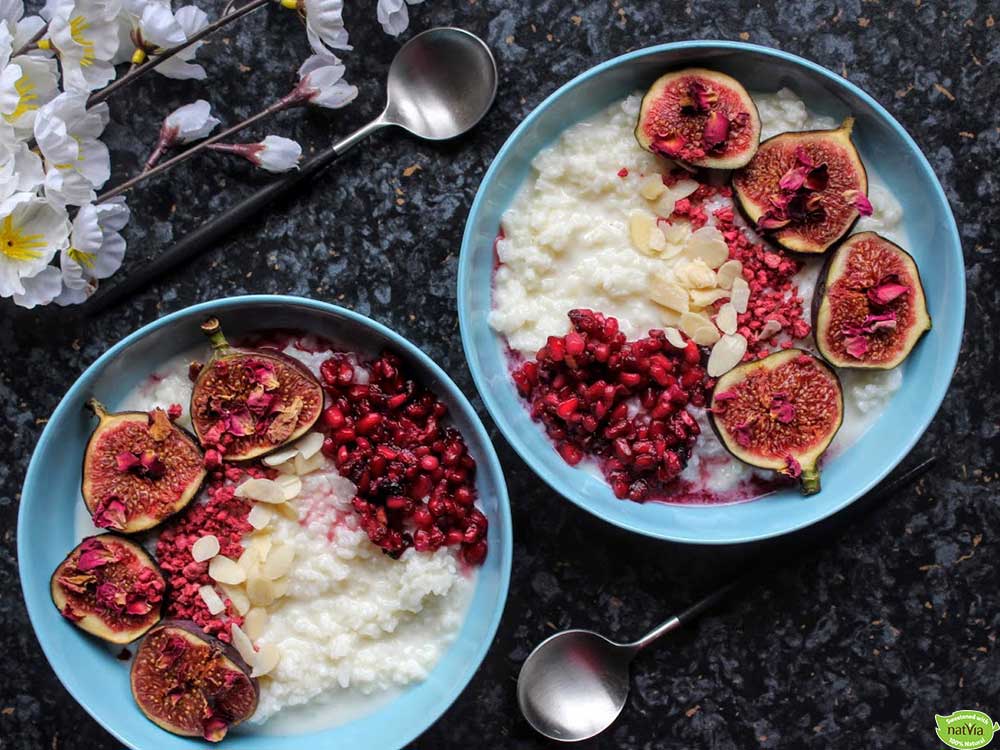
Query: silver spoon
[441,83]
[575,683]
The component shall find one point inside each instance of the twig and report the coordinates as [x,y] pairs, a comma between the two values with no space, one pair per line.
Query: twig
[140,70]
[31,42]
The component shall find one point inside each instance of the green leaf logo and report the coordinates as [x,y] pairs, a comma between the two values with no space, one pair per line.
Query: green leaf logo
[966,729]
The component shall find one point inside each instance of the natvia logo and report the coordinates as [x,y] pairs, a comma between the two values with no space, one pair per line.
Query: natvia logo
[966,730]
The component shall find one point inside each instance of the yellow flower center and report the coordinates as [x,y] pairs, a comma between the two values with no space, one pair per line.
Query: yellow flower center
[78,25]
[293,4]
[26,99]
[84,259]
[17,246]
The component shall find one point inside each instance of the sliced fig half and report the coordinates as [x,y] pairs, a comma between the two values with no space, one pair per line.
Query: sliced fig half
[869,308]
[779,413]
[109,587]
[139,468]
[252,401]
[699,117]
[805,190]
[190,683]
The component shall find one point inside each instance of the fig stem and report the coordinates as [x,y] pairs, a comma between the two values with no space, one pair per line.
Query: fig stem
[810,481]
[99,410]
[213,330]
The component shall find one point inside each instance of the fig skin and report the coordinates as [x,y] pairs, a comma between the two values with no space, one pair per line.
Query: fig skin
[190,699]
[179,452]
[755,183]
[737,101]
[93,622]
[809,455]
[305,389]
[914,306]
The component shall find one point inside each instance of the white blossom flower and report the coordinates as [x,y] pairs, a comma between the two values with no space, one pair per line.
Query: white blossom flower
[32,231]
[21,169]
[96,248]
[192,122]
[67,134]
[85,32]
[325,24]
[320,82]
[394,16]
[274,153]
[26,83]
[22,28]
[154,27]
[40,289]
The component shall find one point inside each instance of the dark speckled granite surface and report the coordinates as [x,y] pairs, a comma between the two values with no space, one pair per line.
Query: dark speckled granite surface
[854,647]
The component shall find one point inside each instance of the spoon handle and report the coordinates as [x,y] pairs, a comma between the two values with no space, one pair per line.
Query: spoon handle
[233,219]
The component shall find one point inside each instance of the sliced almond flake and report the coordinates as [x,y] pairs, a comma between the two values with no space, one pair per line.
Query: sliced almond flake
[708,244]
[260,590]
[288,468]
[726,319]
[706,335]
[726,354]
[279,561]
[727,272]
[741,295]
[280,587]
[243,645]
[696,274]
[305,466]
[684,188]
[254,622]
[691,322]
[291,486]
[260,515]
[261,543]
[238,598]
[205,548]
[274,459]
[267,660]
[288,511]
[309,445]
[665,204]
[249,560]
[651,187]
[657,242]
[665,292]
[675,338]
[225,570]
[640,225]
[707,297]
[770,328]
[261,490]
[212,599]
[676,233]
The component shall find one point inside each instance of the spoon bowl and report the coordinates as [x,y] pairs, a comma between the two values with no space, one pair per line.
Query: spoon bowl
[441,83]
[574,685]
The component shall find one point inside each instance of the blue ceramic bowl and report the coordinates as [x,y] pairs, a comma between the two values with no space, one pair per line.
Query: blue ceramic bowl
[884,145]
[45,532]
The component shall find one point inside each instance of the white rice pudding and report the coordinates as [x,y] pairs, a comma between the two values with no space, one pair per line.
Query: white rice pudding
[566,244]
[354,625]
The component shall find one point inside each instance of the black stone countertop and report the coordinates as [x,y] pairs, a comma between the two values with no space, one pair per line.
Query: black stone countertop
[853,647]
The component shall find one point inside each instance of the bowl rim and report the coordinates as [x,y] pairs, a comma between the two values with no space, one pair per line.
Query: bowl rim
[443,382]
[465,269]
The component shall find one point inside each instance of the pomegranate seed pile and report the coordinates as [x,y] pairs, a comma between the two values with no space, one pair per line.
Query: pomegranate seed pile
[415,477]
[621,401]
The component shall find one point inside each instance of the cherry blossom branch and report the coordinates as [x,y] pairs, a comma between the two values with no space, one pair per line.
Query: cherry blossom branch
[30,44]
[293,99]
[137,71]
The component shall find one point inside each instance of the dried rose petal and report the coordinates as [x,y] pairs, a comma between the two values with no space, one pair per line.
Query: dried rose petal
[792,467]
[781,408]
[856,346]
[716,131]
[159,425]
[263,373]
[152,466]
[671,146]
[127,461]
[883,320]
[93,555]
[699,99]
[887,290]
[259,401]
[240,422]
[860,201]
[110,513]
